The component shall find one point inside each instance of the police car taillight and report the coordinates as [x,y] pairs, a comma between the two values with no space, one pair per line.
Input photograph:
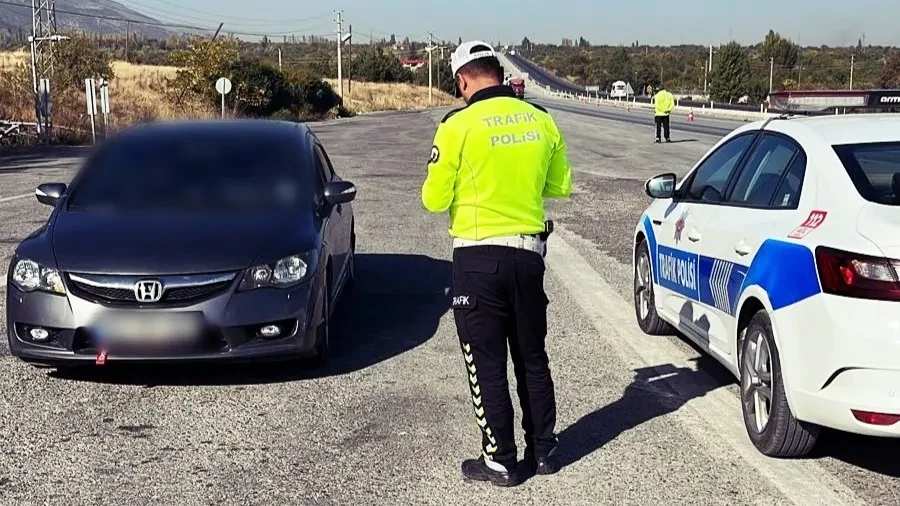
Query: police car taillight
[854,275]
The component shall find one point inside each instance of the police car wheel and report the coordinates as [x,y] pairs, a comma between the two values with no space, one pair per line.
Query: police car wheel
[644,300]
[770,424]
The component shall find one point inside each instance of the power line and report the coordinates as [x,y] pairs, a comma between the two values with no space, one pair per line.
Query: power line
[241,18]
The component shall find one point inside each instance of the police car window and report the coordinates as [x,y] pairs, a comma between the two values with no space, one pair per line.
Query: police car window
[762,173]
[874,169]
[788,193]
[711,177]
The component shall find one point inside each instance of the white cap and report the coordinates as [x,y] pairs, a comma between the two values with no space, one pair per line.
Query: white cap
[464,54]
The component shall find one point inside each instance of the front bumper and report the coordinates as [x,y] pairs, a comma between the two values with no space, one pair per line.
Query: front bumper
[840,354]
[231,320]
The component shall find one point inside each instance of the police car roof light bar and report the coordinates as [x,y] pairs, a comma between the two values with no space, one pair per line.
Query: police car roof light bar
[821,100]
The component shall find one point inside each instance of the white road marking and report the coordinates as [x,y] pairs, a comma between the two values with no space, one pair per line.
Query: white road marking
[16,197]
[804,482]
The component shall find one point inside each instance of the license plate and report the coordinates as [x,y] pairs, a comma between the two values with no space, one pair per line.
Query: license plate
[147,329]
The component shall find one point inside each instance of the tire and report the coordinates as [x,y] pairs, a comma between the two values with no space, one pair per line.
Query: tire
[644,299]
[323,333]
[770,424]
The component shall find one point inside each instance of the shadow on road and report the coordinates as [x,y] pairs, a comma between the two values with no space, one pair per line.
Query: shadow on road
[38,154]
[679,141]
[655,391]
[878,455]
[395,307]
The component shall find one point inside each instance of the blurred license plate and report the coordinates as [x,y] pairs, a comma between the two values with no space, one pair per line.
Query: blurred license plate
[148,329]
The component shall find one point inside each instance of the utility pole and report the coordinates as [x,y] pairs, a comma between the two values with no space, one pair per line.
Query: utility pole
[771,73]
[340,42]
[279,60]
[430,48]
[43,35]
[349,58]
[127,36]
[851,70]
[710,59]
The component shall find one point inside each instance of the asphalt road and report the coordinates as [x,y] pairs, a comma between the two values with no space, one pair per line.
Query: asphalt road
[641,420]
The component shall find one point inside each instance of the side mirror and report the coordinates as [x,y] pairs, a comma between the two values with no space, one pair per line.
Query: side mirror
[339,192]
[49,193]
[661,187]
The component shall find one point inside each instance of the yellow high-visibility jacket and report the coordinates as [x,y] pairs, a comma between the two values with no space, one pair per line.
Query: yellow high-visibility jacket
[664,102]
[492,164]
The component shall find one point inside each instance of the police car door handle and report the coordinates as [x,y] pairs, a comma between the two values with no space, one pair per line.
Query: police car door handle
[742,248]
[694,236]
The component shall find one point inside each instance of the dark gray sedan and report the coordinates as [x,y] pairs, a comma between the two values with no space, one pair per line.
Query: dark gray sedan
[187,241]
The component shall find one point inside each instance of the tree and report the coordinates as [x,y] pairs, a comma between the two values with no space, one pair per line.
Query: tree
[890,75]
[393,40]
[258,90]
[618,66]
[730,77]
[199,66]
[782,50]
[374,65]
[582,42]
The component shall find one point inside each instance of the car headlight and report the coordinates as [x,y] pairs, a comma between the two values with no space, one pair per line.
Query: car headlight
[288,271]
[30,276]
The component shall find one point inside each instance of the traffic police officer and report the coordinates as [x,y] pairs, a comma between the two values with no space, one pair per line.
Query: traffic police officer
[664,104]
[492,164]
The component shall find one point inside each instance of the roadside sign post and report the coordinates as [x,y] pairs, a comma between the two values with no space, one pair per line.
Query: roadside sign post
[90,94]
[223,86]
[104,105]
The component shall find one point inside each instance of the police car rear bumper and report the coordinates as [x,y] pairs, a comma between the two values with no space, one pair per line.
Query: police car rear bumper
[841,355]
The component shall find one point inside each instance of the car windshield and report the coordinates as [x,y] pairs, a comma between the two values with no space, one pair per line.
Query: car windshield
[209,171]
[874,169]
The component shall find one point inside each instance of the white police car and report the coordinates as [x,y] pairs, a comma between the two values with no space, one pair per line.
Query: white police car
[779,254]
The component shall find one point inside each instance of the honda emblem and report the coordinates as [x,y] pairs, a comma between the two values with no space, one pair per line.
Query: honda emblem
[148,290]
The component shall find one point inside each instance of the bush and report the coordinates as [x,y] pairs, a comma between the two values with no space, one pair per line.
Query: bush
[374,66]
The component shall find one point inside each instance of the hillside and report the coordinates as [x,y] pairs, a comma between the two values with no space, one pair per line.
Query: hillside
[80,15]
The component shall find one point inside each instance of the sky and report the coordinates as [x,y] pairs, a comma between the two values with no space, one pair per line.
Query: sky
[809,22]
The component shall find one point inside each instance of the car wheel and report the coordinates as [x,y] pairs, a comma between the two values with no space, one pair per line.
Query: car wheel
[323,333]
[770,424]
[644,300]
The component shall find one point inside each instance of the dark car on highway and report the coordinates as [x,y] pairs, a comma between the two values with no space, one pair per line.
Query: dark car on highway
[187,241]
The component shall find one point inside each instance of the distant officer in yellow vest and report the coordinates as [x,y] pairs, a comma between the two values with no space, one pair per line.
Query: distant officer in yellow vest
[664,104]
[492,165]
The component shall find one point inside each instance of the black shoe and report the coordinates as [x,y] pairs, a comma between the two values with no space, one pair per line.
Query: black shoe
[543,465]
[668,140]
[477,469]
[656,141]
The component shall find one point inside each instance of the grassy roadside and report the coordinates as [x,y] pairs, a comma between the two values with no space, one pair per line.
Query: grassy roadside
[136,96]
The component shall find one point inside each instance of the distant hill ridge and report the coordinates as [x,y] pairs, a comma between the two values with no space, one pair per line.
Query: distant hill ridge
[14,19]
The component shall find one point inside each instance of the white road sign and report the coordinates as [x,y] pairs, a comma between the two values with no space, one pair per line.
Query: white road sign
[91,96]
[104,96]
[223,86]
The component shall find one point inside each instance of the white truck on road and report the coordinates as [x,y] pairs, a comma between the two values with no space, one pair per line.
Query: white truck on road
[621,89]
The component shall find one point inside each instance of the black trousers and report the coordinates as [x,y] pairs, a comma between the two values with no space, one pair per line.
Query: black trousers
[662,121]
[499,298]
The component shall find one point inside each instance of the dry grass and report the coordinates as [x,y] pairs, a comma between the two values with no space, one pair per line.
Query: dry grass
[9,59]
[137,96]
[372,97]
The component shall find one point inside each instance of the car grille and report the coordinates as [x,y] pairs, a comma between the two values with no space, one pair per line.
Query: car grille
[176,295]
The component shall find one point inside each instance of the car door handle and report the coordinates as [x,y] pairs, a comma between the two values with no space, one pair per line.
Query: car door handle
[694,236]
[742,248]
